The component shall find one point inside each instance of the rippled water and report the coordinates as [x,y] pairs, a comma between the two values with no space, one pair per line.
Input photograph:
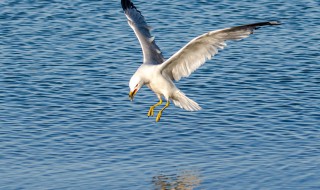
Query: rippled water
[66,121]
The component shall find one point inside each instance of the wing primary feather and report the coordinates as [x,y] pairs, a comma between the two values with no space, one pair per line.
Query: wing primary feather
[204,47]
[127,4]
[151,52]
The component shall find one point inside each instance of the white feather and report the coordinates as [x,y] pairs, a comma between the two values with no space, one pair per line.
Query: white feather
[150,49]
[158,74]
[182,101]
[201,49]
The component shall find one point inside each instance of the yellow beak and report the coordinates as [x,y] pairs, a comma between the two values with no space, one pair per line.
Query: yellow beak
[131,94]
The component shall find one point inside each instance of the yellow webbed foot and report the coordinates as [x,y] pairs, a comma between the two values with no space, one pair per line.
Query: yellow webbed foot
[150,113]
[160,112]
[158,116]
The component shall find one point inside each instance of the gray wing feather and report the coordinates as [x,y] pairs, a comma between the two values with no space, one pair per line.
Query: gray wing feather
[203,47]
[151,52]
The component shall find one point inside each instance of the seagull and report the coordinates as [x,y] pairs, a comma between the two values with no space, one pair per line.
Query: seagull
[159,74]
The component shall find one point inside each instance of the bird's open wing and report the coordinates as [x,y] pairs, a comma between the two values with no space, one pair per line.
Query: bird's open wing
[151,52]
[203,47]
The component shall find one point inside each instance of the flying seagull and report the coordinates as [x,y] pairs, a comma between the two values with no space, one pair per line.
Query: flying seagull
[159,74]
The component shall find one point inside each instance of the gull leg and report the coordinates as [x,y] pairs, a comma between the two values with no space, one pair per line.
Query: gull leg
[160,112]
[150,113]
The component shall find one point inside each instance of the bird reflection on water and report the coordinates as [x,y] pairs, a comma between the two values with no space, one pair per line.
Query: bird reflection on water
[185,180]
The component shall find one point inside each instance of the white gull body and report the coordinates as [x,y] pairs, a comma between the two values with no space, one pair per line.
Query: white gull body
[159,74]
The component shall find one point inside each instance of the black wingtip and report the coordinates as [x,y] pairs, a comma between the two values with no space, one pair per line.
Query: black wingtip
[266,23]
[127,4]
[260,24]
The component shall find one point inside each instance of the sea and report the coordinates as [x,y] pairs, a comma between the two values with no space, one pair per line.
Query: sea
[66,121]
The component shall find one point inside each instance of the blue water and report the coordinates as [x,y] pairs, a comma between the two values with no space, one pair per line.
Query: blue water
[66,121]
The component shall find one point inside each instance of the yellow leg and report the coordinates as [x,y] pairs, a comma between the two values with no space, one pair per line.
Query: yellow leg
[150,113]
[160,112]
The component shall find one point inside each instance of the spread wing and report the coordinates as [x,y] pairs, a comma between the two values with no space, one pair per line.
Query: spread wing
[151,52]
[203,47]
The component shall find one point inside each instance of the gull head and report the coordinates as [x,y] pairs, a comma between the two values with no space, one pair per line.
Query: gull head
[135,84]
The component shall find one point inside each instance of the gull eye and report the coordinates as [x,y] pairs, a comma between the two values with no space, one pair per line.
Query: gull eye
[136,86]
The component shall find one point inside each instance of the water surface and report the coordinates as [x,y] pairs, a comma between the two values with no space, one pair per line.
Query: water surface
[66,121]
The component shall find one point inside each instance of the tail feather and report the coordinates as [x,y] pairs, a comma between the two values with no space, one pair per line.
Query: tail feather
[182,101]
